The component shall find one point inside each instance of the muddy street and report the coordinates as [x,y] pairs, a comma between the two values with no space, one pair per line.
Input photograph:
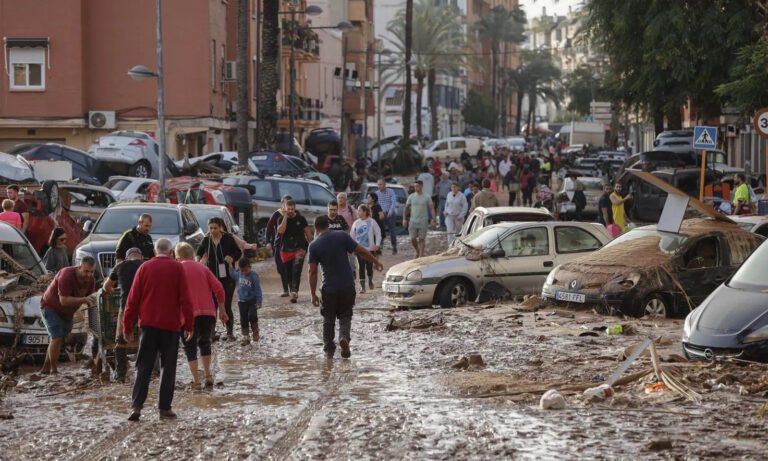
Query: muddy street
[404,394]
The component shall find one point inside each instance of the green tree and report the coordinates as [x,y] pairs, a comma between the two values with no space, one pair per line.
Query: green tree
[537,77]
[584,85]
[479,110]
[747,91]
[270,77]
[499,26]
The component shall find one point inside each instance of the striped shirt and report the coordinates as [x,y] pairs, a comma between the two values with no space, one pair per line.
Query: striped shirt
[387,199]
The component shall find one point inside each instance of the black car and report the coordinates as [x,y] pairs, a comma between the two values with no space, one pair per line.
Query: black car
[85,168]
[733,320]
[322,142]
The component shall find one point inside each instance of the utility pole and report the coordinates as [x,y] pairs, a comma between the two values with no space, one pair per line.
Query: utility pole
[160,100]
[242,83]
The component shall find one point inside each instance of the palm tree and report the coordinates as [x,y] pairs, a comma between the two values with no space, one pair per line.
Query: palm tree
[270,81]
[242,82]
[535,77]
[408,42]
[500,26]
[436,41]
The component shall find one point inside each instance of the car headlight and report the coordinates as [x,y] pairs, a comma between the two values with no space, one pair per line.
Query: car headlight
[687,325]
[414,276]
[79,255]
[628,281]
[757,335]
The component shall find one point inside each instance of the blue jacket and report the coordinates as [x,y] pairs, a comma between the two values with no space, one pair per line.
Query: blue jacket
[248,286]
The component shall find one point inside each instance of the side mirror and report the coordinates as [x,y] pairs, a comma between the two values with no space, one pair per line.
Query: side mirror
[497,253]
[235,229]
[88,226]
[190,228]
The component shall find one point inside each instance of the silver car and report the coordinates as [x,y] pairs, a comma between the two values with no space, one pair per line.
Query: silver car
[500,260]
[133,153]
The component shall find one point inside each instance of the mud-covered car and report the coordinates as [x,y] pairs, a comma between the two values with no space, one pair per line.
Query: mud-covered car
[482,216]
[733,320]
[501,260]
[23,280]
[652,272]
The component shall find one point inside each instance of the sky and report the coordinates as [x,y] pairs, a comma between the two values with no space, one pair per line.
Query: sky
[560,7]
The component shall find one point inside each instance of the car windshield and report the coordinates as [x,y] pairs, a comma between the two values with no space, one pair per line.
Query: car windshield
[669,243]
[487,237]
[117,184]
[24,256]
[119,220]
[751,274]
[204,214]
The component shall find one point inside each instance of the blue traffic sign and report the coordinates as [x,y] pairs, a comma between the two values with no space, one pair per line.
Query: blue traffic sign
[705,137]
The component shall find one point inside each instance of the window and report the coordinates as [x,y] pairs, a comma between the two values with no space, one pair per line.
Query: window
[575,240]
[27,68]
[527,242]
[262,190]
[295,190]
[459,144]
[320,195]
[441,146]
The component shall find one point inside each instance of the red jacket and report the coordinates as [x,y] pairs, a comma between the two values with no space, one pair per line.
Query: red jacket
[159,297]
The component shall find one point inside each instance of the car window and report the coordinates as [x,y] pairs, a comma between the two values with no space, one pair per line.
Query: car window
[527,242]
[401,194]
[575,240]
[320,195]
[702,254]
[461,144]
[263,190]
[74,157]
[295,190]
[89,198]
[23,254]
[143,188]
[117,184]
[119,220]
[475,224]
[188,217]
[441,146]
[470,224]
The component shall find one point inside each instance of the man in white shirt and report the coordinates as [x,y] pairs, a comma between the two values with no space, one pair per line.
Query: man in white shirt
[428,180]
[455,210]
[504,166]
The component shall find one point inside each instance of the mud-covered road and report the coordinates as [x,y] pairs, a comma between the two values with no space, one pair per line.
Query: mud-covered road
[399,397]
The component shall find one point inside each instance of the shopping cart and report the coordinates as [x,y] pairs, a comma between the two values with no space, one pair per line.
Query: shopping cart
[104,319]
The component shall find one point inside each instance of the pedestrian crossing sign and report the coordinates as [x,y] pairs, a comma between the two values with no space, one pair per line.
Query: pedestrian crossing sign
[705,137]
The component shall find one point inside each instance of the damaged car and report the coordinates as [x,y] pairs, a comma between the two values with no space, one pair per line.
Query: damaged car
[497,261]
[482,216]
[23,280]
[652,272]
[733,320]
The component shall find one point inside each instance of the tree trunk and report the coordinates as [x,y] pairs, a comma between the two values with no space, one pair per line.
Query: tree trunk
[270,78]
[503,103]
[494,71]
[242,82]
[658,121]
[419,91]
[431,81]
[674,119]
[531,109]
[407,57]
[518,122]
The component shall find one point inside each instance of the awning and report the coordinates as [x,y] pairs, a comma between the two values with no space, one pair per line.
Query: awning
[185,130]
[26,42]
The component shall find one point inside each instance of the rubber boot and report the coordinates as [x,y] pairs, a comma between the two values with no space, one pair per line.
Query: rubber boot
[255,331]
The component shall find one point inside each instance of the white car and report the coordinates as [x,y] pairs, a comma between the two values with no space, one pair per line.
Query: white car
[755,224]
[133,153]
[205,212]
[442,149]
[15,169]
[30,335]
[126,188]
[225,160]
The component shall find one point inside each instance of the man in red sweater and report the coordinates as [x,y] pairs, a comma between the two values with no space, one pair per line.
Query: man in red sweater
[160,300]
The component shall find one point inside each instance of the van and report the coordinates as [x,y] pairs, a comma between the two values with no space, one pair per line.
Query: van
[441,149]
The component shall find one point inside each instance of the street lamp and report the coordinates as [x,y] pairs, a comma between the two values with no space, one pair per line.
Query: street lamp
[140,73]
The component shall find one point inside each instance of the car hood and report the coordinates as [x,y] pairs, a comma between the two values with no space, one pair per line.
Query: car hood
[447,261]
[728,311]
[13,169]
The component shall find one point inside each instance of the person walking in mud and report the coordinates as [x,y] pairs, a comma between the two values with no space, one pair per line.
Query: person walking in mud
[418,209]
[159,300]
[219,251]
[295,235]
[335,220]
[71,288]
[205,292]
[388,203]
[455,209]
[137,237]
[249,299]
[274,242]
[366,232]
[122,275]
[485,198]
[329,250]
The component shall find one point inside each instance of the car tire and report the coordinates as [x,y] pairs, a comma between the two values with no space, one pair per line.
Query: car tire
[51,190]
[453,293]
[261,233]
[655,305]
[140,169]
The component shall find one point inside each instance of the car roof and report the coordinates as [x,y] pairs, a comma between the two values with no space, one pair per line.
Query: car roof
[200,206]
[166,206]
[9,233]
[516,224]
[248,178]
[511,209]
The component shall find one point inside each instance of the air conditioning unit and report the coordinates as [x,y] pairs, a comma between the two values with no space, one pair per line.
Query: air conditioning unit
[230,71]
[102,119]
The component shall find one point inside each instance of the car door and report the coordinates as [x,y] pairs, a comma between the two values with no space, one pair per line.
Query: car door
[319,197]
[703,266]
[195,237]
[572,242]
[528,259]
[457,147]
[265,195]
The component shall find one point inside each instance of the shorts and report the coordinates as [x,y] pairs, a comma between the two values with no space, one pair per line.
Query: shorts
[417,232]
[57,326]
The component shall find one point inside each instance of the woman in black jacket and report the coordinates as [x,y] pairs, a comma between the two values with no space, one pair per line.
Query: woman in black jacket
[219,251]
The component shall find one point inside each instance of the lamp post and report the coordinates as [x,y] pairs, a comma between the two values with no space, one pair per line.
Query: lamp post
[142,73]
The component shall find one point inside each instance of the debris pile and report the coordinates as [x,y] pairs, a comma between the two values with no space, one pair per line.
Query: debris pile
[405,322]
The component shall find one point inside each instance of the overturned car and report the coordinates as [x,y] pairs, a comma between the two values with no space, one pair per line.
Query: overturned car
[648,271]
[23,280]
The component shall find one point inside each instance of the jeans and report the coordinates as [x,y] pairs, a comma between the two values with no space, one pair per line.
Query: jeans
[512,198]
[389,222]
[363,267]
[293,270]
[440,210]
[337,304]
[204,325]
[155,341]
[453,226]
[249,314]
[281,268]
[229,291]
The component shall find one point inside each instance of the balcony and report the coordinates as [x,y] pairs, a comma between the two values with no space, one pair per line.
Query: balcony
[356,11]
[307,109]
[304,40]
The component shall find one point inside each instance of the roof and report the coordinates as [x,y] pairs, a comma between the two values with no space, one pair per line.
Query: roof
[511,209]
[144,205]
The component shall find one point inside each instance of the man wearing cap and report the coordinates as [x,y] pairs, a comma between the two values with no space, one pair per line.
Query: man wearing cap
[122,275]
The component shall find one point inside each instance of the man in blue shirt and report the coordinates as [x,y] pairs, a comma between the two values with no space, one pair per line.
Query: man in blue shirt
[329,250]
[388,204]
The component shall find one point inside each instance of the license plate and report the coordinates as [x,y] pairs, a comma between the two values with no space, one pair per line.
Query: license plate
[570,297]
[34,340]
[391,288]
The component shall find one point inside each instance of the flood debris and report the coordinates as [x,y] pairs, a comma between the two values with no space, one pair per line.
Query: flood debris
[417,323]
[552,400]
[599,393]
[469,362]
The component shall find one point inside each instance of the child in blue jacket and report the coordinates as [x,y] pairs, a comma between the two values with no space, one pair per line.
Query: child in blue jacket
[249,298]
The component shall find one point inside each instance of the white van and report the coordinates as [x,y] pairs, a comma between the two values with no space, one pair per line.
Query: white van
[452,147]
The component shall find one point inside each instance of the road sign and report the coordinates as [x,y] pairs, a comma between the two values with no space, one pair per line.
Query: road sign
[704,137]
[760,122]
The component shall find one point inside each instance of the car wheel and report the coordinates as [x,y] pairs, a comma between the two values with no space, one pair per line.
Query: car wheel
[261,233]
[655,306]
[140,169]
[453,293]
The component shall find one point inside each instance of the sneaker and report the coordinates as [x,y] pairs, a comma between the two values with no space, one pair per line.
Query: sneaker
[135,414]
[344,344]
[294,297]
[167,414]
[370,284]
